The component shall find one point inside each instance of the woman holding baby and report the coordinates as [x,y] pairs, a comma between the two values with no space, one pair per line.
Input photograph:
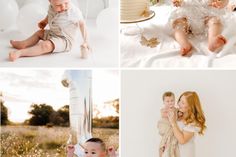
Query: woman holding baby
[185,123]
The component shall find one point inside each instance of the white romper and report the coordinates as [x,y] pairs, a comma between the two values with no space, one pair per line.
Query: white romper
[196,13]
[63,28]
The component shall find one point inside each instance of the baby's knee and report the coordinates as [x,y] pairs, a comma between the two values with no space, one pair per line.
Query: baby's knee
[181,25]
[214,21]
[46,46]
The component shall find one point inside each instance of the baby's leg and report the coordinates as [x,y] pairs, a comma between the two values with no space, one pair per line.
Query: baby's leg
[215,39]
[181,30]
[41,48]
[28,42]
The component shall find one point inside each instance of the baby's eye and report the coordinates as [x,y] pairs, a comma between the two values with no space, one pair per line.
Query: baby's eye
[93,152]
[86,152]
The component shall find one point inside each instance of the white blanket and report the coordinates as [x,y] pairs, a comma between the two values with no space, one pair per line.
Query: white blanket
[166,54]
[103,54]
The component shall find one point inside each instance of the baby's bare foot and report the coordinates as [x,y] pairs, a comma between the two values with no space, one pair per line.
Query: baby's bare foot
[186,49]
[13,56]
[218,42]
[17,44]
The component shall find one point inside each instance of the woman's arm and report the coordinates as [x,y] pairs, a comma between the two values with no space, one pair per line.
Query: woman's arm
[182,136]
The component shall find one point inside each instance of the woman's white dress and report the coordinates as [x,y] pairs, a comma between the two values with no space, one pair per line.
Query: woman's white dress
[187,149]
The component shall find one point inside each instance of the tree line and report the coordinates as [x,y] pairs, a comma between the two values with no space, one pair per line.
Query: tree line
[45,115]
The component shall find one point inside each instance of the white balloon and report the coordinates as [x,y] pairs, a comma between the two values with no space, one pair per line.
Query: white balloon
[108,23]
[44,3]
[8,13]
[91,8]
[113,3]
[29,17]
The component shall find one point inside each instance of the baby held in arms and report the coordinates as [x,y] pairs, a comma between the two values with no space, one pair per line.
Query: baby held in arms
[168,144]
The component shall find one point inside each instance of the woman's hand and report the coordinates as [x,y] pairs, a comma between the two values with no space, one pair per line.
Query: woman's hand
[177,3]
[70,150]
[172,116]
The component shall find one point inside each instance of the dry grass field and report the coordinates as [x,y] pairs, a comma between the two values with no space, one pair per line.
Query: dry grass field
[28,141]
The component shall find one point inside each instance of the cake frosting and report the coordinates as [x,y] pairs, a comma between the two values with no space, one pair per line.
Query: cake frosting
[131,10]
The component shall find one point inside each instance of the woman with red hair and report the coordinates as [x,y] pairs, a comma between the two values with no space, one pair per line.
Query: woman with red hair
[191,122]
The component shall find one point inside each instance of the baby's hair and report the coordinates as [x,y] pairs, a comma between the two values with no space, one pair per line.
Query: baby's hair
[98,140]
[167,94]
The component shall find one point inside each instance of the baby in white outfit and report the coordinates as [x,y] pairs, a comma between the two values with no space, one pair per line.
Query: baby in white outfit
[194,16]
[63,19]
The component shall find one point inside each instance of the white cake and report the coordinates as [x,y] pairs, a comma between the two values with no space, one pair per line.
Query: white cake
[131,10]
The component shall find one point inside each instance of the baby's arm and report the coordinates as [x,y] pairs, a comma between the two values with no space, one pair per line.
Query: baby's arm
[164,113]
[177,3]
[83,30]
[70,150]
[42,24]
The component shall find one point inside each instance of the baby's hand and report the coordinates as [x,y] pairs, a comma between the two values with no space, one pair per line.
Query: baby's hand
[177,3]
[218,4]
[42,24]
[111,151]
[70,150]
[232,7]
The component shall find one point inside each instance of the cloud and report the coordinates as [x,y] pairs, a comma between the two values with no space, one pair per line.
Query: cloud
[31,78]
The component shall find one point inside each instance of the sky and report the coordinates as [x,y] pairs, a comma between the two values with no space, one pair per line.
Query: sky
[21,88]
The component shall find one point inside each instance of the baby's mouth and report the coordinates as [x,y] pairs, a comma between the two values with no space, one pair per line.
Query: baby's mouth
[62,11]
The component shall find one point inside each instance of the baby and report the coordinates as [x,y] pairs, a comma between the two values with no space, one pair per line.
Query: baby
[168,144]
[63,19]
[193,16]
[93,147]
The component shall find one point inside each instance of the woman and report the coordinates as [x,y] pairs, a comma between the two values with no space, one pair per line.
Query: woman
[189,124]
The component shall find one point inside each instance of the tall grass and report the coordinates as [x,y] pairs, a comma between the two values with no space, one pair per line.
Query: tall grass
[26,141]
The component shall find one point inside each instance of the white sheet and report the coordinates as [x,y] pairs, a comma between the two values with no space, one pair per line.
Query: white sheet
[166,54]
[103,55]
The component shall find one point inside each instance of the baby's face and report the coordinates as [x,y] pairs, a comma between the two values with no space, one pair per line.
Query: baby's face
[60,5]
[93,149]
[169,101]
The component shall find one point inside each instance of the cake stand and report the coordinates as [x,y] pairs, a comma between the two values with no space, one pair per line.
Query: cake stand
[135,30]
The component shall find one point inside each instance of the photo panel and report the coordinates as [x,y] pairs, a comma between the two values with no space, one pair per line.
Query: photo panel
[143,100]
[59,112]
[177,34]
[56,33]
